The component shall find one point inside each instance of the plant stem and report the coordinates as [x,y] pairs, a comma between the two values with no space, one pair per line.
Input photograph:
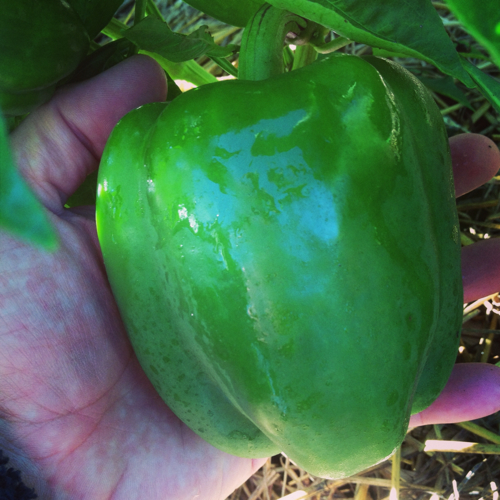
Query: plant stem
[304,55]
[288,58]
[153,10]
[261,54]
[140,10]
[480,431]
[335,44]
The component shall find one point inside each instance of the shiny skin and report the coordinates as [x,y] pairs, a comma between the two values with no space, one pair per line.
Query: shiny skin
[286,260]
[234,12]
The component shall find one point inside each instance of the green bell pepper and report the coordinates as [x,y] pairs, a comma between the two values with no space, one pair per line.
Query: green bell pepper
[41,43]
[234,12]
[285,255]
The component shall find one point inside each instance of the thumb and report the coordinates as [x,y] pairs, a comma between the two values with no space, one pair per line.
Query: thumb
[60,143]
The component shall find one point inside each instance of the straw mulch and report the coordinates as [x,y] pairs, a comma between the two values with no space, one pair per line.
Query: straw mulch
[419,470]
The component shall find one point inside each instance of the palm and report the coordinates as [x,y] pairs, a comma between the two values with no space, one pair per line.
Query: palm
[73,392]
[73,399]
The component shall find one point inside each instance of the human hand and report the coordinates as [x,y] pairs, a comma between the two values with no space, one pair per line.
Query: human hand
[473,390]
[79,417]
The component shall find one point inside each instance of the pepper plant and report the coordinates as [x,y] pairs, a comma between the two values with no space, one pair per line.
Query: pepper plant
[238,220]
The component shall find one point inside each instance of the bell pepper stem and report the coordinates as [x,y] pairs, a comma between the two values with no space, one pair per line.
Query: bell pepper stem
[261,54]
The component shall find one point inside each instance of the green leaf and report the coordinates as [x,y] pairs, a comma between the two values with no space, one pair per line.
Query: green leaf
[446,86]
[412,28]
[489,86]
[95,14]
[173,89]
[482,20]
[189,71]
[20,211]
[102,59]
[85,194]
[154,35]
